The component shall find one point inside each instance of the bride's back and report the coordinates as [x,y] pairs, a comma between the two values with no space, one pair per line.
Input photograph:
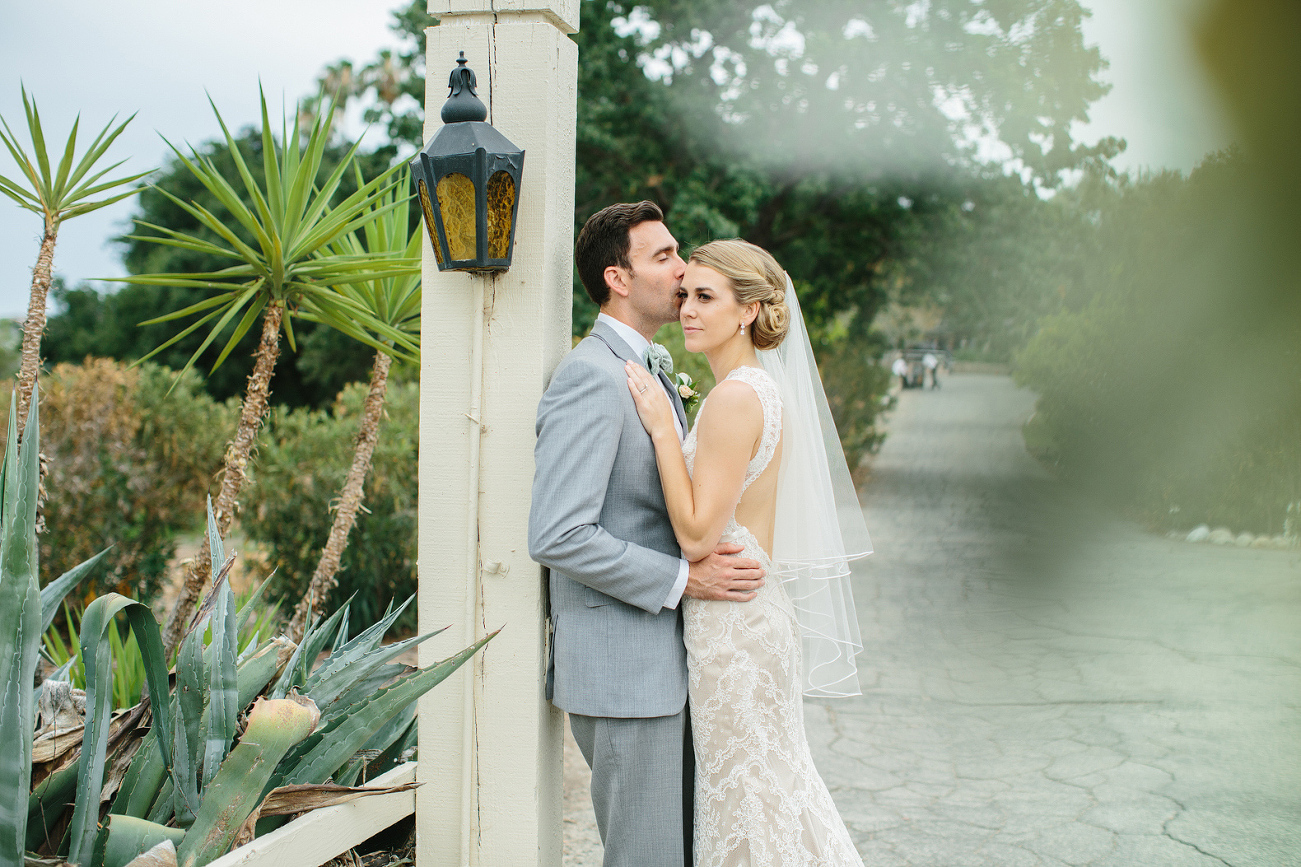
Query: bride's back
[757,508]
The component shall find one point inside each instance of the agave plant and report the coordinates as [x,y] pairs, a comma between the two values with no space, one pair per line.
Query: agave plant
[25,612]
[243,738]
[286,266]
[64,654]
[55,193]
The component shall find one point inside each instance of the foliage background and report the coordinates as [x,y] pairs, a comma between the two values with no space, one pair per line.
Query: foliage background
[1165,393]
[303,458]
[128,465]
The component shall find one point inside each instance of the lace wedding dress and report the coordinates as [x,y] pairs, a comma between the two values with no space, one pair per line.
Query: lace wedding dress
[759,799]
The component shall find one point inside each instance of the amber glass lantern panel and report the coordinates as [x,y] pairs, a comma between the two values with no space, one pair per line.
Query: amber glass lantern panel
[456,202]
[501,209]
[428,209]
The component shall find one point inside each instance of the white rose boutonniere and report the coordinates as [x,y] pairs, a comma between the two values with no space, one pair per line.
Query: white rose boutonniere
[687,391]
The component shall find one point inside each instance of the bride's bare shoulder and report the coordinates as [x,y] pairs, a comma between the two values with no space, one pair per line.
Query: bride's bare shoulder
[733,411]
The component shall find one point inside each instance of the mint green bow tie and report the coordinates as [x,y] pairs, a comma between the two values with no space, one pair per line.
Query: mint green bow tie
[658,360]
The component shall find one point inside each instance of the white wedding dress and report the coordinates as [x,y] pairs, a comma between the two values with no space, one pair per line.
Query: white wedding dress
[759,800]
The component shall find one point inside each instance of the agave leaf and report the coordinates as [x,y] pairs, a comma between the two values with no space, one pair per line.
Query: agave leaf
[128,837]
[52,594]
[20,621]
[143,780]
[350,732]
[340,638]
[187,752]
[349,655]
[162,811]
[362,692]
[253,644]
[223,706]
[380,746]
[48,802]
[354,667]
[392,755]
[273,727]
[261,668]
[62,672]
[253,600]
[287,800]
[298,669]
[97,657]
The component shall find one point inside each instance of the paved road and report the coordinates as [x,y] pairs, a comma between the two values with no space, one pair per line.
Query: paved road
[1044,685]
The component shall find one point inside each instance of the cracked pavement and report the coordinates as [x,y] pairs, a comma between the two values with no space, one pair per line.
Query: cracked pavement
[1045,684]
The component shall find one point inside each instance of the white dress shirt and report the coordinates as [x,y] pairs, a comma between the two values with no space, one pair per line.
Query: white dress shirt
[639,345]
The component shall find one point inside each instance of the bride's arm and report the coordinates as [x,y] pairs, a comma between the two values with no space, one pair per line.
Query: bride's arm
[726,434]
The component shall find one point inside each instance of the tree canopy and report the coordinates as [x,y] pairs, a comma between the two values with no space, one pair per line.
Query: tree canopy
[868,146]
[837,134]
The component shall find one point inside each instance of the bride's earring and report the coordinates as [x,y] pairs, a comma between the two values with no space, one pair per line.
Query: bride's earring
[742,327]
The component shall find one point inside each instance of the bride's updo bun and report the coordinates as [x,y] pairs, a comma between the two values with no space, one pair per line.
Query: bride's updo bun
[755,276]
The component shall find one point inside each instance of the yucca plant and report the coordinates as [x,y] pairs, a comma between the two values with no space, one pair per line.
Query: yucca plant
[197,778]
[395,301]
[55,194]
[280,259]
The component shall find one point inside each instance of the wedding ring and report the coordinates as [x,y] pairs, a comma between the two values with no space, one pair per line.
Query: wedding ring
[642,390]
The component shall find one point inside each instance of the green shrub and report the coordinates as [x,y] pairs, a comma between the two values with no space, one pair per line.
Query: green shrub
[128,465]
[855,385]
[1175,393]
[301,464]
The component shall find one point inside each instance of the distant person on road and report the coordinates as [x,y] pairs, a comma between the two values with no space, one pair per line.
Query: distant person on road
[900,369]
[931,363]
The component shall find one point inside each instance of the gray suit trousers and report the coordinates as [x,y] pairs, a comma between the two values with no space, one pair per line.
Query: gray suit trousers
[642,774]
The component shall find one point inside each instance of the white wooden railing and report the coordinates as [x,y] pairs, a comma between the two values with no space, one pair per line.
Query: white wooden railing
[317,836]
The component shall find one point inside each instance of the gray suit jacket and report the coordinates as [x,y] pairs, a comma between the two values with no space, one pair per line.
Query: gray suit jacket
[599,523]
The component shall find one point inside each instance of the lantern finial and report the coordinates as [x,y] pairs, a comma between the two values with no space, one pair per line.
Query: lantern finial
[462,103]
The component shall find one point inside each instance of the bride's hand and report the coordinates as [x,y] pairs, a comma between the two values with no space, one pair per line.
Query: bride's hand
[652,403]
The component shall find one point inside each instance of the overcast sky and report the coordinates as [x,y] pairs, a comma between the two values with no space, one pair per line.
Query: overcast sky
[158,58]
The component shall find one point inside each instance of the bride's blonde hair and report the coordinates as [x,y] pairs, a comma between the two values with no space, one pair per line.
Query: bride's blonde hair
[755,276]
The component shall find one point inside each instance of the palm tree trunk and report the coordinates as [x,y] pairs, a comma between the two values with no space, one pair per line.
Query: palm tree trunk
[252,413]
[34,327]
[345,515]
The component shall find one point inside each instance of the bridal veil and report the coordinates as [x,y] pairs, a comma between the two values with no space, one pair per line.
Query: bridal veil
[819,524]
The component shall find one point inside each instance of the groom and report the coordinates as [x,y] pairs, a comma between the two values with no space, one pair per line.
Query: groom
[599,523]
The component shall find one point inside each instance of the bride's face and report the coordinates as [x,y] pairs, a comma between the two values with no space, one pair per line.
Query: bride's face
[710,314]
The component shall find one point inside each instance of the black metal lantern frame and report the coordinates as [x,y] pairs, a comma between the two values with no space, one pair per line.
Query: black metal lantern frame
[468,181]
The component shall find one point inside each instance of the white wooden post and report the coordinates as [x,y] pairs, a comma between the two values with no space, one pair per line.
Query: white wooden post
[490,744]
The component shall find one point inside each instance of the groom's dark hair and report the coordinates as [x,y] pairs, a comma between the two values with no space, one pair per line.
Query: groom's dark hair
[604,241]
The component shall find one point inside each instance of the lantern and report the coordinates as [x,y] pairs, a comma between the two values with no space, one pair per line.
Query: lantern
[467,178]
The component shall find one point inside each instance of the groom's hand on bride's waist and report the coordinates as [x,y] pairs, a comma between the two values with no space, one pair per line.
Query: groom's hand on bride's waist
[723,577]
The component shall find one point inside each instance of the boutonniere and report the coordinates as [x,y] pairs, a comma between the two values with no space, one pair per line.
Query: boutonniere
[687,391]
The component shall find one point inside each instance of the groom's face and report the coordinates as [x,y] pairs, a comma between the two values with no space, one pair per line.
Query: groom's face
[656,274]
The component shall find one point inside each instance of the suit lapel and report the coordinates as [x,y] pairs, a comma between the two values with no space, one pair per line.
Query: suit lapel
[617,344]
[621,349]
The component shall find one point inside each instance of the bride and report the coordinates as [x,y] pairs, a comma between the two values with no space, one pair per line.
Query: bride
[762,468]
